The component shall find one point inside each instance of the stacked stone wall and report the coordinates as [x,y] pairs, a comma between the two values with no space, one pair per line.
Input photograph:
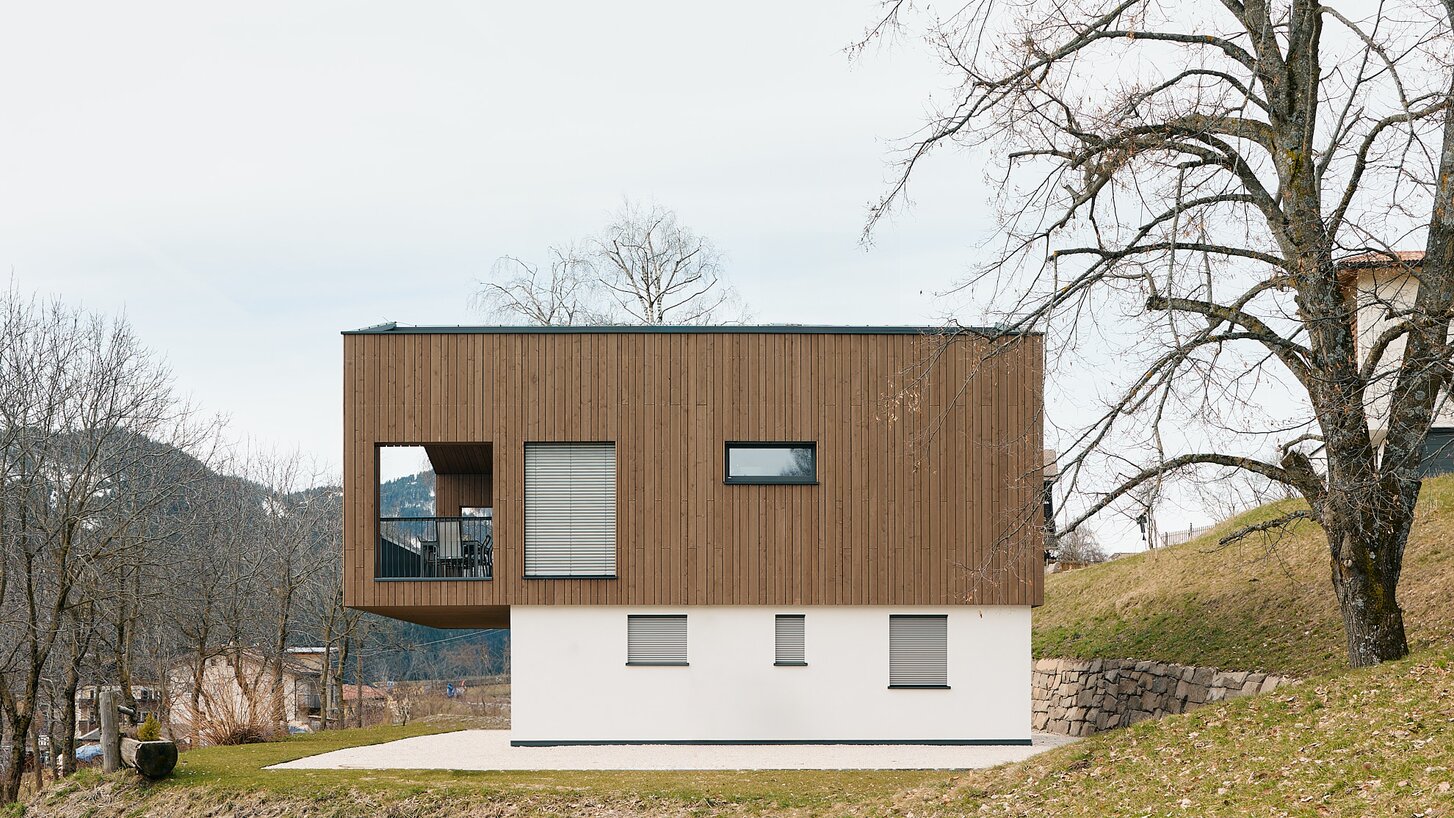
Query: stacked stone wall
[1078,697]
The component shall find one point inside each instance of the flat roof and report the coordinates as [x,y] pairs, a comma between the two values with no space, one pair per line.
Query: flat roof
[726,329]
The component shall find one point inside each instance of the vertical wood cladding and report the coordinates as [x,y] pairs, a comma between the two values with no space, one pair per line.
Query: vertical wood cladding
[928,462]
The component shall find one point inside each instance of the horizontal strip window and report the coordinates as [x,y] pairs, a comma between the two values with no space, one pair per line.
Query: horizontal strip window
[918,651]
[764,463]
[788,641]
[656,639]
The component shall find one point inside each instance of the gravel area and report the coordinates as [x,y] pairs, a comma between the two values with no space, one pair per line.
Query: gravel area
[491,750]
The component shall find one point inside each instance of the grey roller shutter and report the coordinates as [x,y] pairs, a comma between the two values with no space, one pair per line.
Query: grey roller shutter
[918,651]
[788,638]
[570,509]
[656,639]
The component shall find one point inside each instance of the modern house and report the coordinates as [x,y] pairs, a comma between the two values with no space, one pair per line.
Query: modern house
[1381,287]
[715,534]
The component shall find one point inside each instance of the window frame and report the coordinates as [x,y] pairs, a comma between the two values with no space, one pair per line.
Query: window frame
[767,480]
[892,686]
[803,637]
[686,645]
[525,573]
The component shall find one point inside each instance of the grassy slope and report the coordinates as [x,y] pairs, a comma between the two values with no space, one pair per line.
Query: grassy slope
[1265,603]
[1369,742]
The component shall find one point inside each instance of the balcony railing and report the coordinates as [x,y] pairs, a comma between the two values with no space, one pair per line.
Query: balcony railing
[435,548]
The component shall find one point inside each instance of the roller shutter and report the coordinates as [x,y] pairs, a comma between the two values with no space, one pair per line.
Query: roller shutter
[656,639]
[788,638]
[570,509]
[918,651]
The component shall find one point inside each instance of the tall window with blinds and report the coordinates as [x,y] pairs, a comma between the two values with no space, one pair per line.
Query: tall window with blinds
[788,641]
[570,510]
[656,639]
[918,651]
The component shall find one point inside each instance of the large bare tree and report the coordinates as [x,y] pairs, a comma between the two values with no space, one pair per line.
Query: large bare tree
[1180,182]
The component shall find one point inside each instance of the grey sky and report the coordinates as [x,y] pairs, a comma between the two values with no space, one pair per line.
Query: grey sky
[246,181]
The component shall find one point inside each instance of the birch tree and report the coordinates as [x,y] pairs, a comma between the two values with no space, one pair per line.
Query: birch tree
[644,267]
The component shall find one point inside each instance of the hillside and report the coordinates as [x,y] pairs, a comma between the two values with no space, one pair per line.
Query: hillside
[1366,742]
[1264,603]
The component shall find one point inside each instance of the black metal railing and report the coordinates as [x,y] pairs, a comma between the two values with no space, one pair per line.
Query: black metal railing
[435,548]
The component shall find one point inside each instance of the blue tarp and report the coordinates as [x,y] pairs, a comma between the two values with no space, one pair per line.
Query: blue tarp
[88,752]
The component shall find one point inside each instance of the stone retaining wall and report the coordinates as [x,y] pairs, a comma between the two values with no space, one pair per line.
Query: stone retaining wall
[1078,697]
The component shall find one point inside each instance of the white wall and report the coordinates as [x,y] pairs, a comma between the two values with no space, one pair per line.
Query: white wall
[570,682]
[1383,297]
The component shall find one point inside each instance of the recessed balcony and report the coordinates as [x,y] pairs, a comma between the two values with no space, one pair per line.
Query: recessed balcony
[445,529]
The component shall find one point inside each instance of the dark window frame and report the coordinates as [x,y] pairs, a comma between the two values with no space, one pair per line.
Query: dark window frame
[768,480]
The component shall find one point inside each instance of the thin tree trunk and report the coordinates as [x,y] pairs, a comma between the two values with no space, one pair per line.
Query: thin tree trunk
[38,769]
[358,688]
[15,759]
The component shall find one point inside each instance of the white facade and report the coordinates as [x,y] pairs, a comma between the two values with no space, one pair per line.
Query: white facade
[1384,295]
[571,683]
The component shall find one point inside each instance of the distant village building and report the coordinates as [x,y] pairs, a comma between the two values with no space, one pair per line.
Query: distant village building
[148,698]
[236,688]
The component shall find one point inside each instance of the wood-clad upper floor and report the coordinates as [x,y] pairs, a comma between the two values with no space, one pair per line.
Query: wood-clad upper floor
[928,450]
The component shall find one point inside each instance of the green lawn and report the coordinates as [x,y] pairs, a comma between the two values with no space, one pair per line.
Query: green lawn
[236,776]
[1264,603]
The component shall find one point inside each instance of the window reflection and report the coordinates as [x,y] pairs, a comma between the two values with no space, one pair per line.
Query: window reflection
[771,463]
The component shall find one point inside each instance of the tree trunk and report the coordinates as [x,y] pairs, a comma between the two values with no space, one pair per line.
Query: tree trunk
[14,762]
[67,747]
[1367,596]
[37,768]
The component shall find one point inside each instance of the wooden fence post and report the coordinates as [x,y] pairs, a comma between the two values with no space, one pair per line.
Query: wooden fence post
[110,732]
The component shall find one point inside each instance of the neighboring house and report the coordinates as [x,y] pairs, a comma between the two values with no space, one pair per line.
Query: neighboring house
[237,688]
[88,704]
[374,701]
[715,534]
[1382,287]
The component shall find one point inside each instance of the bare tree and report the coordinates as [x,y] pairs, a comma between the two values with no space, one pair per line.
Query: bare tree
[1182,182]
[644,268]
[658,271]
[1079,545]
[84,410]
[568,293]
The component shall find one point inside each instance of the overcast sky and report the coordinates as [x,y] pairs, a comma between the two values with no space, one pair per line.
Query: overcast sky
[245,181]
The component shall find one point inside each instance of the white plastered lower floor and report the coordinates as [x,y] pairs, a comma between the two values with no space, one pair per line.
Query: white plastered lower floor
[570,681]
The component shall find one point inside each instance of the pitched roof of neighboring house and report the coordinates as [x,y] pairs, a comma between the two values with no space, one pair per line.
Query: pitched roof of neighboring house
[1382,258]
[350,693]
[292,663]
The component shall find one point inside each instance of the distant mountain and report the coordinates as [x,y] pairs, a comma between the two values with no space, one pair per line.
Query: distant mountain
[409,496]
